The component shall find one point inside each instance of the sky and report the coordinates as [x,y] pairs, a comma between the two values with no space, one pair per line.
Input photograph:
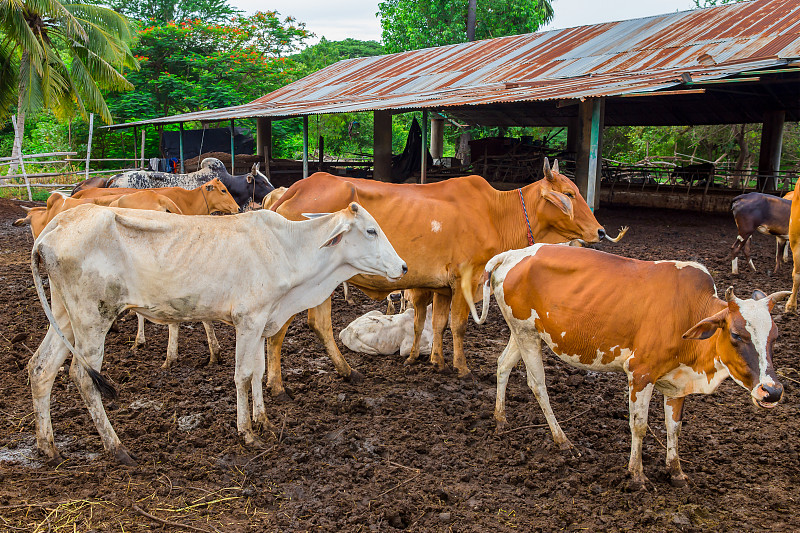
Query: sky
[337,20]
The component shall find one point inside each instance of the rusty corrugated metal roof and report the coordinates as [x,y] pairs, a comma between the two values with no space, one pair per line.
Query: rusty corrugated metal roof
[610,59]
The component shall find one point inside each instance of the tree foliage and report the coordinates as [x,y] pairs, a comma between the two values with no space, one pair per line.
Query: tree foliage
[61,56]
[171,10]
[414,24]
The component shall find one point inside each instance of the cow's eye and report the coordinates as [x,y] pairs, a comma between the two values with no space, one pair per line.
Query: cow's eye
[736,337]
[372,231]
[569,194]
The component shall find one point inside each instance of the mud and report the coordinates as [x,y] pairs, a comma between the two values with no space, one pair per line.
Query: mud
[406,449]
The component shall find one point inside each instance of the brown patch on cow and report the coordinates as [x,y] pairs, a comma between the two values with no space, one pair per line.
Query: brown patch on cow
[677,408]
[517,288]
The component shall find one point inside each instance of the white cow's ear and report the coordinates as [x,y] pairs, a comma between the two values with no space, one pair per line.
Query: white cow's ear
[314,215]
[561,201]
[336,235]
[706,327]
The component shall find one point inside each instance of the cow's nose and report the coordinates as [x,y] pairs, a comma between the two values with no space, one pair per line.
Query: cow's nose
[405,269]
[601,233]
[774,392]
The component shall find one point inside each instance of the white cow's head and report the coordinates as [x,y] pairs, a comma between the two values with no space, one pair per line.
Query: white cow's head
[364,246]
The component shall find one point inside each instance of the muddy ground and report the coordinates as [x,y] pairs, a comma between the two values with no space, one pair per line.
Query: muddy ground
[408,448]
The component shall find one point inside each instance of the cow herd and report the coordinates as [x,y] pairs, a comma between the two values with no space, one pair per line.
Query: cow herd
[113,247]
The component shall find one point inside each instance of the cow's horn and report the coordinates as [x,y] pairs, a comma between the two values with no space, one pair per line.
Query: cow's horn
[729,296]
[547,173]
[779,296]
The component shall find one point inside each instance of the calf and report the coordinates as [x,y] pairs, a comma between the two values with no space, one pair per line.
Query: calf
[377,334]
[766,214]
[102,261]
[659,322]
[700,172]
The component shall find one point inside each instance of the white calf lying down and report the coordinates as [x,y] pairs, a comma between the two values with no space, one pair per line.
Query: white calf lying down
[376,333]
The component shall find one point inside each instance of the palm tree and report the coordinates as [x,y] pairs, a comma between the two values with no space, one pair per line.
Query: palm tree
[60,56]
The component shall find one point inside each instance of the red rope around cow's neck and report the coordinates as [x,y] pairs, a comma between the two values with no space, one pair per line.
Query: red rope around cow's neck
[527,221]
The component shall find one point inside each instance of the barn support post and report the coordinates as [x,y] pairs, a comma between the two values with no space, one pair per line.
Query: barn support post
[321,146]
[180,144]
[144,132]
[233,164]
[382,145]
[572,135]
[264,139]
[437,138]
[769,158]
[588,162]
[89,145]
[305,146]
[423,169]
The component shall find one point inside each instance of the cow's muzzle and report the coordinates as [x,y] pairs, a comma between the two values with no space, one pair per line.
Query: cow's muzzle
[767,395]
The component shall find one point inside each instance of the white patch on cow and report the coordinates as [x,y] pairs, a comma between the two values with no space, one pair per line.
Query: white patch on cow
[683,264]
[436,226]
[758,323]
[685,380]
[563,334]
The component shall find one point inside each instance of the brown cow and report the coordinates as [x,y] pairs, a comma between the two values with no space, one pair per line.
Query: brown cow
[659,322]
[794,243]
[766,214]
[203,200]
[440,229]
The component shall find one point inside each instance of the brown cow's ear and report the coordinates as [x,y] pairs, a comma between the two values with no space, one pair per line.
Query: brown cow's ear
[706,327]
[561,201]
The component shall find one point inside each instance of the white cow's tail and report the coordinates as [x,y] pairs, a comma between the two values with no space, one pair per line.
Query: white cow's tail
[466,289]
[104,386]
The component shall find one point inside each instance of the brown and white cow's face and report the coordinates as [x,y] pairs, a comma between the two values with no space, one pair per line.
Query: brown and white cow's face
[744,343]
[562,213]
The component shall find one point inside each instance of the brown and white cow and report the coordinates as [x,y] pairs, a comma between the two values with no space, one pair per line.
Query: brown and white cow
[794,243]
[441,229]
[659,322]
[766,214]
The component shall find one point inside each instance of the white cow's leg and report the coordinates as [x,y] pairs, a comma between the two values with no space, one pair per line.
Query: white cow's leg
[786,250]
[420,299]
[638,405]
[247,343]
[531,352]
[89,341]
[319,319]
[347,296]
[140,338]
[505,364]
[260,420]
[42,370]
[172,345]
[274,380]
[673,414]
[213,343]
[735,265]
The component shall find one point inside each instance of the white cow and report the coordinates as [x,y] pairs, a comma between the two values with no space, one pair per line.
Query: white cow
[377,334]
[253,271]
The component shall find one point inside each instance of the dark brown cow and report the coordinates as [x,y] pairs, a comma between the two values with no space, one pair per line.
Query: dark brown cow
[766,214]
[691,173]
[659,322]
[441,230]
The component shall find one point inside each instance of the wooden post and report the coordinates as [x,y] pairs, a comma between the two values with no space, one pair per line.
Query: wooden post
[180,145]
[305,146]
[264,139]
[769,158]
[89,144]
[143,137]
[21,160]
[588,162]
[572,135]
[321,152]
[423,169]
[382,145]
[437,138]
[233,164]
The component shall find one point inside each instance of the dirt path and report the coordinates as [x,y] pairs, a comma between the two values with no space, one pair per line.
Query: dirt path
[408,448]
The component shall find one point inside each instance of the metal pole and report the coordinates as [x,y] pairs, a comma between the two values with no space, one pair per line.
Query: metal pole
[180,145]
[135,131]
[424,164]
[305,146]
[21,160]
[232,150]
[143,136]
[89,144]
[594,140]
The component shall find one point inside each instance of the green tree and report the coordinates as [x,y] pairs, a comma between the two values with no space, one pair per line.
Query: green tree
[60,57]
[414,24]
[170,10]
[325,52]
